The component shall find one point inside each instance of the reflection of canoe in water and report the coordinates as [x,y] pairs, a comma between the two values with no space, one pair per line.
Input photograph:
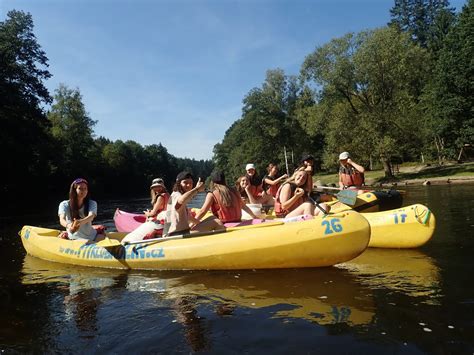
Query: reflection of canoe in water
[326,296]
[312,243]
[408,271]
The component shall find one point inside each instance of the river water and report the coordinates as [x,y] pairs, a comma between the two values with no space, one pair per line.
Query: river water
[386,301]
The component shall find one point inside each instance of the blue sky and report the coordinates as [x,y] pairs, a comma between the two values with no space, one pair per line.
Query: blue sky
[176,71]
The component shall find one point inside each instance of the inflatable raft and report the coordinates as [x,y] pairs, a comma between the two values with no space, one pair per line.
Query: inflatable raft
[322,241]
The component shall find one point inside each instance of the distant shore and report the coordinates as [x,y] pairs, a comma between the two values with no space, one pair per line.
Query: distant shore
[421,174]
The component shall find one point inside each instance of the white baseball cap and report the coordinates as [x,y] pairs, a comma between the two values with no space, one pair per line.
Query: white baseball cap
[249,166]
[344,156]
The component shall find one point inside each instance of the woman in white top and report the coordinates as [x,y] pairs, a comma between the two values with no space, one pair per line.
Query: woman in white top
[77,213]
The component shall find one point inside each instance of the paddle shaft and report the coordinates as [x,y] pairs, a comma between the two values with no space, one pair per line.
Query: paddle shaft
[317,205]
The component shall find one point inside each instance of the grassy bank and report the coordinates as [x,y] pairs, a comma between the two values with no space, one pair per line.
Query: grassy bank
[409,173]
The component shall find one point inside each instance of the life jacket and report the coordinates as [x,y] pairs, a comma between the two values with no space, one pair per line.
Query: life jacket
[350,176]
[166,198]
[278,208]
[255,185]
[226,214]
[270,189]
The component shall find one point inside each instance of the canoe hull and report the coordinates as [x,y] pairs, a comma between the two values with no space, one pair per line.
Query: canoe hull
[407,227]
[126,222]
[314,243]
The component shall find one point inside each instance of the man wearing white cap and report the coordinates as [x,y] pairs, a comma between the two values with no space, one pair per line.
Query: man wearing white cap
[351,174]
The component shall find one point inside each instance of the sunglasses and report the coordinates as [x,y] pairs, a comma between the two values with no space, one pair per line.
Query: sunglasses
[80,181]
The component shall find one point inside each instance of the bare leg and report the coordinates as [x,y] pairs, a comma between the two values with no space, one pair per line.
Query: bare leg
[305,208]
[325,207]
[211,223]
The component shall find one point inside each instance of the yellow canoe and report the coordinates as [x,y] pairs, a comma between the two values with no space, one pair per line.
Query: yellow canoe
[406,227]
[322,241]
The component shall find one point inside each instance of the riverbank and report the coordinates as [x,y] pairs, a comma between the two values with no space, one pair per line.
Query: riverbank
[427,174]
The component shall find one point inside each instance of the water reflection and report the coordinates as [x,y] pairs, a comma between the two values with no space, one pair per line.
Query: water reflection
[408,271]
[324,296]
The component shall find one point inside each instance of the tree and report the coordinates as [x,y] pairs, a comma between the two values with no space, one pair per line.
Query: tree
[370,86]
[449,99]
[24,127]
[268,124]
[426,21]
[73,130]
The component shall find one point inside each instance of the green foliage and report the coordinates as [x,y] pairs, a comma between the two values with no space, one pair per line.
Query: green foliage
[72,129]
[426,21]
[269,123]
[449,95]
[25,143]
[370,85]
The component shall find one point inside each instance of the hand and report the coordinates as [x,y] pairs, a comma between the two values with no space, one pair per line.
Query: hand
[299,192]
[74,226]
[200,185]
[284,176]
[349,161]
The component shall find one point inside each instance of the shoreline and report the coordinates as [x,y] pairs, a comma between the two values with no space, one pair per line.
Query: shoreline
[439,180]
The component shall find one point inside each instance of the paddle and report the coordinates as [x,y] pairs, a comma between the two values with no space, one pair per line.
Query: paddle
[349,197]
[317,205]
[201,234]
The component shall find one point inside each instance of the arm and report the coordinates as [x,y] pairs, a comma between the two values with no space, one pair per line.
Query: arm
[188,196]
[247,209]
[276,181]
[157,206]
[358,167]
[90,217]
[341,185]
[286,200]
[205,207]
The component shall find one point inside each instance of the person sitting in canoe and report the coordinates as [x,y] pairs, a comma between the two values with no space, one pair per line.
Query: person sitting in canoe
[271,181]
[159,198]
[224,202]
[77,213]
[307,164]
[292,200]
[153,227]
[244,188]
[351,174]
[255,189]
[179,219]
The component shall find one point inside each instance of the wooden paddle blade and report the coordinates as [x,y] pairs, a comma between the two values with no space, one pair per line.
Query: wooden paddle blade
[348,197]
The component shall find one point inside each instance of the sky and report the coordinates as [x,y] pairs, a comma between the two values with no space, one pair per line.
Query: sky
[175,72]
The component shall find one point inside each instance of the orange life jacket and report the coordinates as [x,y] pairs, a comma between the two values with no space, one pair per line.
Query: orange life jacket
[278,208]
[226,214]
[350,176]
[270,189]
[166,197]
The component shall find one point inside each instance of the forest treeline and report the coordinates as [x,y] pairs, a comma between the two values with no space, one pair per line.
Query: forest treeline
[402,92]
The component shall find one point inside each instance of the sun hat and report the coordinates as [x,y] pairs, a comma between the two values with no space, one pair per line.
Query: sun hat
[184,175]
[157,182]
[218,177]
[344,156]
[249,166]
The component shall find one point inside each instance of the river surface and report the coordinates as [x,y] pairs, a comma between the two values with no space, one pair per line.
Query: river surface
[385,301]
